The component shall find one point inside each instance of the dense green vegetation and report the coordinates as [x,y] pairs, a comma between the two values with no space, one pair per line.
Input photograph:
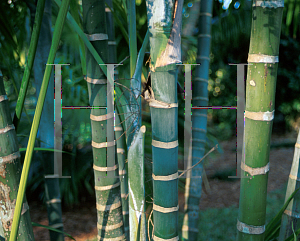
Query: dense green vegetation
[230,41]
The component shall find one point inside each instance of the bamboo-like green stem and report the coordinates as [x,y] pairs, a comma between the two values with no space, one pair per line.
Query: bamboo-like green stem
[123,172]
[121,142]
[37,116]
[193,186]
[290,216]
[87,43]
[30,60]
[108,199]
[165,51]
[259,114]
[10,169]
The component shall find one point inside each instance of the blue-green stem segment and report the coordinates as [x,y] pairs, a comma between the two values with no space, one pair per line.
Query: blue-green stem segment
[193,186]
[165,51]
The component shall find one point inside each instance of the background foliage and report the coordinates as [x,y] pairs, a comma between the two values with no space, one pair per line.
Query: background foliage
[230,43]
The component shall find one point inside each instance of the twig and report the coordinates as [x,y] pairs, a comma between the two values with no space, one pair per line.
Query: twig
[212,149]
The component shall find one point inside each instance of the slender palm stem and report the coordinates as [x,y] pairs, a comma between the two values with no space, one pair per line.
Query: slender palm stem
[193,185]
[123,171]
[108,199]
[121,143]
[165,51]
[259,114]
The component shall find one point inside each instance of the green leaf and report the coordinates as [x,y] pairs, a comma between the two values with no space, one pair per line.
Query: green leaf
[119,23]
[292,237]
[52,229]
[274,224]
[47,149]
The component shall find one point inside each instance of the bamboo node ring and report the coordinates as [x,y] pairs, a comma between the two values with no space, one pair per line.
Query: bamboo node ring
[292,213]
[249,229]
[165,210]
[105,169]
[111,239]
[156,103]
[255,171]
[268,4]
[7,128]
[262,58]
[95,81]
[108,207]
[109,227]
[105,188]
[155,238]
[260,116]
[102,117]
[3,97]
[165,178]
[294,177]
[103,144]
[165,145]
[10,158]
[97,36]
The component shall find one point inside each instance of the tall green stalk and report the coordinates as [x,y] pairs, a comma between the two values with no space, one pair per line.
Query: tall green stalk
[121,143]
[123,171]
[46,128]
[193,186]
[10,172]
[164,24]
[108,199]
[290,217]
[259,114]
[37,116]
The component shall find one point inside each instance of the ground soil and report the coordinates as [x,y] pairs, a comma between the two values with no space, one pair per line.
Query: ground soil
[220,192]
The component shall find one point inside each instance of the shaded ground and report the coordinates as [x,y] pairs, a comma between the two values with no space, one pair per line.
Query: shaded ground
[219,193]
